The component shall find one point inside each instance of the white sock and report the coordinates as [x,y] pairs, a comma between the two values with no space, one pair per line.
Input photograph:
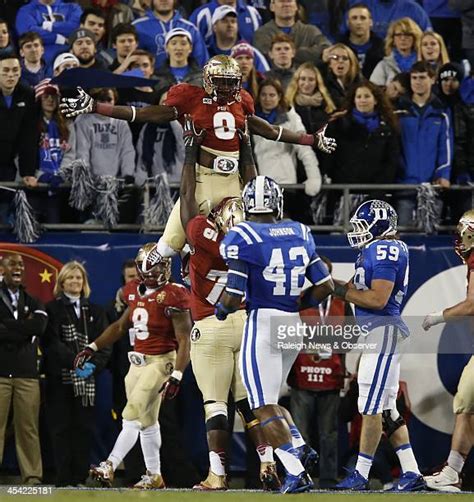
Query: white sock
[364,463]
[217,462]
[407,458]
[165,250]
[265,453]
[288,457]
[125,442]
[150,439]
[456,461]
[296,437]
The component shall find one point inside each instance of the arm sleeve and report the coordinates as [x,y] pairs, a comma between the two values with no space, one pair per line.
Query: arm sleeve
[65,28]
[177,97]
[127,151]
[378,76]
[35,325]
[445,149]
[83,142]
[237,278]
[28,142]
[26,21]
[317,42]
[383,269]
[70,153]
[101,357]
[180,298]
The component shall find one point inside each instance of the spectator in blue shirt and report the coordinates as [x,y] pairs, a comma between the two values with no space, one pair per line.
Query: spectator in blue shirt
[426,138]
[248,18]
[386,11]
[33,66]
[367,46]
[225,28]
[153,27]
[54,20]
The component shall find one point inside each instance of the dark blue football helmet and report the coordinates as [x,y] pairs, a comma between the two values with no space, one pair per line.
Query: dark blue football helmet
[262,195]
[372,219]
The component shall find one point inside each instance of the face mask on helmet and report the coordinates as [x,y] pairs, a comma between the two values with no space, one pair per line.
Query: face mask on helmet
[222,79]
[372,219]
[159,275]
[228,213]
[262,195]
[465,239]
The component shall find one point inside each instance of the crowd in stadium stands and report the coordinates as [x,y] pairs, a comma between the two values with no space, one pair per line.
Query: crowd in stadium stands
[303,63]
[393,77]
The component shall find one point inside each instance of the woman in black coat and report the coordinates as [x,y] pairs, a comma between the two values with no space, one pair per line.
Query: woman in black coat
[73,322]
[368,148]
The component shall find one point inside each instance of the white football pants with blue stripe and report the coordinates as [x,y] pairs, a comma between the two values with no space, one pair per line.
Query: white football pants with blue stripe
[379,371]
[264,361]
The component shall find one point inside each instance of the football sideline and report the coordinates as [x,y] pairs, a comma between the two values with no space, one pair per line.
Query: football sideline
[180,495]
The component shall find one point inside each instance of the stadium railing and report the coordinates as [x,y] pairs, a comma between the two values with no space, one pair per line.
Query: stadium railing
[346,206]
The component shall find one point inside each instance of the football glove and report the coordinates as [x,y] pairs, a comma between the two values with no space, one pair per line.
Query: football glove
[82,357]
[83,103]
[86,371]
[432,320]
[192,137]
[325,144]
[152,258]
[171,387]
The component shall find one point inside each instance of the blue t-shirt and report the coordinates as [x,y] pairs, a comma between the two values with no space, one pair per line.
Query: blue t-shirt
[179,73]
[278,257]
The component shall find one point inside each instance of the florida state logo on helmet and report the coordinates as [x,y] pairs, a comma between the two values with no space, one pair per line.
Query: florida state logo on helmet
[158,275]
[228,213]
[222,79]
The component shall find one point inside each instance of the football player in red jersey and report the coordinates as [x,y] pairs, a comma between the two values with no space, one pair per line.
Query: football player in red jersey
[220,107]
[215,347]
[449,479]
[158,316]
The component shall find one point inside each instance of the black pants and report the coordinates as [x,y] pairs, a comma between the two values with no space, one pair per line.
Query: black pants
[71,428]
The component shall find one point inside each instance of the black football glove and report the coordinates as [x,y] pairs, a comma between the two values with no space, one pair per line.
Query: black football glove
[170,388]
[82,357]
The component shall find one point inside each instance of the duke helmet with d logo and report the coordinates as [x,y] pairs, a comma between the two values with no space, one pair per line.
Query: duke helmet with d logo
[373,218]
[263,195]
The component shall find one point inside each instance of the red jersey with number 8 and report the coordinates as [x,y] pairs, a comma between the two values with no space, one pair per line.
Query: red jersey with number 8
[207,270]
[154,333]
[220,121]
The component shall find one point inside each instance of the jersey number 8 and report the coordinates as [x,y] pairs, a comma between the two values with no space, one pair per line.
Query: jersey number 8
[140,323]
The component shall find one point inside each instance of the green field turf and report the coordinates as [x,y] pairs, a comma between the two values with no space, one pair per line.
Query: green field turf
[230,496]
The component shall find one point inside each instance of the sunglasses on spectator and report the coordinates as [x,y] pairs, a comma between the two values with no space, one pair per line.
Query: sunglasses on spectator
[335,57]
[403,34]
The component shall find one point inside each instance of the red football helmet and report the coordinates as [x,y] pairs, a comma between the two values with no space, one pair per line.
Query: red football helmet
[157,276]
[222,79]
[465,235]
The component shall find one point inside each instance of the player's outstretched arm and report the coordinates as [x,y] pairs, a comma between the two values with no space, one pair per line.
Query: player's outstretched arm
[316,294]
[455,313]
[277,133]
[110,335]
[248,170]
[83,103]
[374,298]
[193,139]
[182,325]
[231,298]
